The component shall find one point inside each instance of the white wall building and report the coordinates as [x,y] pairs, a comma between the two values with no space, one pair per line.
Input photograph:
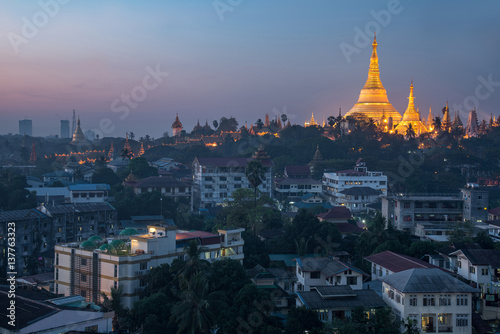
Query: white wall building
[339,186]
[321,271]
[215,179]
[433,300]
[481,267]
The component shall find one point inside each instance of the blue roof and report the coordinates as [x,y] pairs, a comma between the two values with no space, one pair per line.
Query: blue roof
[306,196]
[89,187]
[288,258]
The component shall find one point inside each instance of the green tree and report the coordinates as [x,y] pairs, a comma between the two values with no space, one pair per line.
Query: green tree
[105,175]
[301,319]
[196,310]
[255,174]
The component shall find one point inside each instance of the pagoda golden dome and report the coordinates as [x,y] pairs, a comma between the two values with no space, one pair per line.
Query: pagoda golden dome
[411,116]
[78,136]
[373,101]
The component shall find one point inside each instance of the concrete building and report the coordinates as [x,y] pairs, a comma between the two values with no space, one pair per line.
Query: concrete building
[89,193]
[32,230]
[26,127]
[337,302]
[91,268]
[405,211]
[355,188]
[215,179]
[64,128]
[475,203]
[433,300]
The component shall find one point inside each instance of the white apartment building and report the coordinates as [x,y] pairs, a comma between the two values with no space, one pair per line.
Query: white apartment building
[321,271]
[433,300]
[85,270]
[89,193]
[355,188]
[215,179]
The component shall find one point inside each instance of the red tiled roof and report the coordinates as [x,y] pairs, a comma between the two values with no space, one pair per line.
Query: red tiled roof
[397,262]
[337,212]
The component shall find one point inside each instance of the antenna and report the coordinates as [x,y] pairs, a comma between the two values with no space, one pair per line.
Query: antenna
[73,125]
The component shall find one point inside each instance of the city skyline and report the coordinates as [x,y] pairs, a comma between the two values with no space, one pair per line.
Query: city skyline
[207,60]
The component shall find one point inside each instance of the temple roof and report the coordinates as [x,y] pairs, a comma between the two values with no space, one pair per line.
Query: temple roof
[373,101]
[411,116]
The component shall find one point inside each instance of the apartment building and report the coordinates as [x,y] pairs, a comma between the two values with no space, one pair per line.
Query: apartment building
[405,211]
[433,300]
[215,179]
[93,267]
[355,188]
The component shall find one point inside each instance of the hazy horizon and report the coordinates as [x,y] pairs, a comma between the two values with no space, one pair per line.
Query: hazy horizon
[244,60]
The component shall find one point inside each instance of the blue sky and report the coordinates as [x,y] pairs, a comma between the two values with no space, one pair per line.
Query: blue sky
[248,59]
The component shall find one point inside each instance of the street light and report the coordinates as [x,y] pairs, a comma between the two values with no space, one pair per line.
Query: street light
[161,206]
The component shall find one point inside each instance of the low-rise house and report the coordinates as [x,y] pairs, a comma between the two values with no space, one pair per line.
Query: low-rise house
[289,187]
[308,201]
[387,263]
[337,302]
[449,258]
[58,176]
[319,271]
[433,300]
[481,267]
[494,214]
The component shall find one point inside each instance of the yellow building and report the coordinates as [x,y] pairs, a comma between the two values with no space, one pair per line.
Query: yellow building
[411,116]
[373,102]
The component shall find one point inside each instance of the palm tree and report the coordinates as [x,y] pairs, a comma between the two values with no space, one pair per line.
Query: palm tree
[131,135]
[284,118]
[410,132]
[194,264]
[259,123]
[216,124]
[194,313]
[126,153]
[115,304]
[255,174]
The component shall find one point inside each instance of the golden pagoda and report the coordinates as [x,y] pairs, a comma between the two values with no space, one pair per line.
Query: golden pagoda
[446,122]
[373,101]
[78,136]
[430,120]
[312,121]
[411,116]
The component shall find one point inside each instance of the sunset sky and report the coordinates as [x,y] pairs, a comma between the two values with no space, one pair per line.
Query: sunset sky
[247,60]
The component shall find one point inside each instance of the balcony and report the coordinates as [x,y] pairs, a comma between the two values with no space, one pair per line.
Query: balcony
[233,243]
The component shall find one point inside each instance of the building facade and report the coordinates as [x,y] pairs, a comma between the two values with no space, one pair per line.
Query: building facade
[431,299]
[90,269]
[26,127]
[356,187]
[215,179]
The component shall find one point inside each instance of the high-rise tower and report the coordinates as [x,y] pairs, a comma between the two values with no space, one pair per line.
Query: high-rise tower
[373,102]
[64,128]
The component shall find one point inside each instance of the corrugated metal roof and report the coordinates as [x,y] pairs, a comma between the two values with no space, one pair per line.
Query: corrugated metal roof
[363,298]
[19,215]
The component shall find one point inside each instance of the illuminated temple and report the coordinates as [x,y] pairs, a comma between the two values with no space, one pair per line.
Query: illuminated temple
[373,102]
[411,116]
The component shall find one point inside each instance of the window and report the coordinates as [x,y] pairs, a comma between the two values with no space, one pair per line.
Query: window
[444,322]
[374,269]
[413,319]
[407,205]
[391,294]
[462,320]
[115,284]
[380,271]
[484,271]
[398,298]
[472,270]
[459,264]
[57,259]
[143,266]
[444,300]
[338,279]
[429,300]
[142,282]
[462,300]
[83,293]
[115,271]
[352,280]
[84,278]
[428,324]
[315,274]
[223,178]
[323,315]
[208,178]
[237,178]
[83,262]
[57,274]
[413,300]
